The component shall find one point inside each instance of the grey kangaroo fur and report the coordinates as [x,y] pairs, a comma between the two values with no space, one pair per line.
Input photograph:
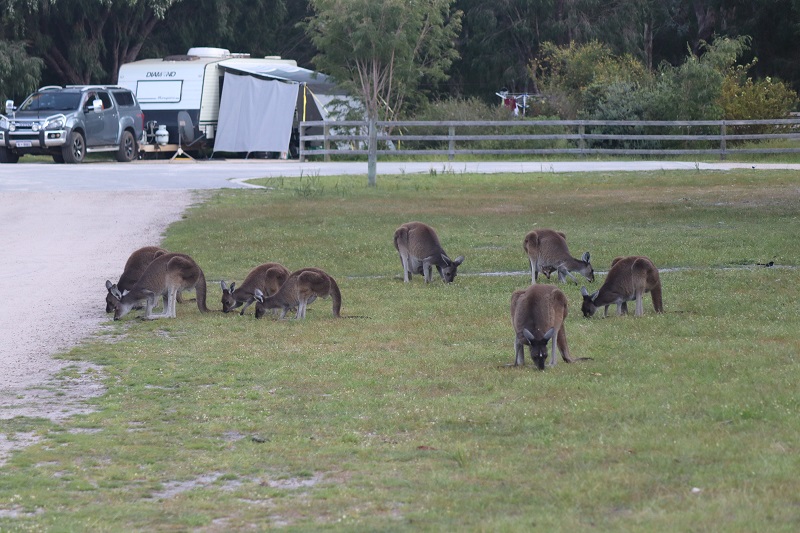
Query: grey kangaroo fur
[548,251]
[267,278]
[538,314]
[420,251]
[302,287]
[628,279]
[134,268]
[166,276]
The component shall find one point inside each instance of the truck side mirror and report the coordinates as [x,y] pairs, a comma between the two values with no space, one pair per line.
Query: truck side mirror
[9,106]
[97,105]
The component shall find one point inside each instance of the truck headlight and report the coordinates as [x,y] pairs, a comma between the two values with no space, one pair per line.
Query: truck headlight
[55,123]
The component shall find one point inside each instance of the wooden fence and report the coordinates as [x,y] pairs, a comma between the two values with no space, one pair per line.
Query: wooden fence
[544,137]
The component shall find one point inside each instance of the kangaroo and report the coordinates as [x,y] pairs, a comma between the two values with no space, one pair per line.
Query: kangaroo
[538,315]
[548,252]
[166,275]
[420,250]
[268,278]
[134,267]
[628,279]
[300,288]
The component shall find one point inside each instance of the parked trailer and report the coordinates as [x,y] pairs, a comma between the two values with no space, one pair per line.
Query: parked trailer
[184,92]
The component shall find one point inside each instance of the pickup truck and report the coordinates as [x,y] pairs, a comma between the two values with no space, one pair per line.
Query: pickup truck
[69,122]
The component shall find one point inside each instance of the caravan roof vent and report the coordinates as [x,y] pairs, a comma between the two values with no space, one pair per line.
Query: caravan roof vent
[206,51]
[181,58]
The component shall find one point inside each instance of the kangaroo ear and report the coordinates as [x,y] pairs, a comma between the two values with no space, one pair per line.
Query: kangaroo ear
[584,292]
[223,285]
[447,261]
[594,295]
[459,260]
[585,257]
[109,284]
[528,335]
[549,334]
[258,295]
[233,284]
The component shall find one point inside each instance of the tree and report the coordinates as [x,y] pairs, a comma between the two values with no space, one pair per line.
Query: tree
[19,73]
[384,50]
[83,41]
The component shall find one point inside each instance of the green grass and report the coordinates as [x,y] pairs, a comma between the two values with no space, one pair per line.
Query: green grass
[405,417]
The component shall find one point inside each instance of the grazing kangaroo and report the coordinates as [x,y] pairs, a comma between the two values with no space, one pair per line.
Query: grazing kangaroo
[538,315]
[166,276]
[420,250]
[547,251]
[268,278]
[628,279]
[300,288]
[134,267]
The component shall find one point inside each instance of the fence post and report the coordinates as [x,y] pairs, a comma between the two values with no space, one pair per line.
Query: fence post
[722,144]
[326,142]
[372,151]
[451,143]
[581,140]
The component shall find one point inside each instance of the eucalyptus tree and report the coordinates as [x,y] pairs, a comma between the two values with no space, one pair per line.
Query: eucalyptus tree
[383,51]
[83,41]
[19,73]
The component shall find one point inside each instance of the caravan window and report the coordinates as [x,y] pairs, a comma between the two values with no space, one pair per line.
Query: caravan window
[159,92]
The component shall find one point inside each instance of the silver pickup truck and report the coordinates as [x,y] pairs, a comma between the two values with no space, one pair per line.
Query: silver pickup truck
[69,122]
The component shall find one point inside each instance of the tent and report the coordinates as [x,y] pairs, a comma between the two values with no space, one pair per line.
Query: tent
[262,102]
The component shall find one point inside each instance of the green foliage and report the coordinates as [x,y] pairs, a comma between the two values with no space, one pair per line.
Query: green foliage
[751,99]
[384,51]
[575,78]
[19,73]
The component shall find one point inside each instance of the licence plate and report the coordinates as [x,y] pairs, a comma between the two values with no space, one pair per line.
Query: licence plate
[23,144]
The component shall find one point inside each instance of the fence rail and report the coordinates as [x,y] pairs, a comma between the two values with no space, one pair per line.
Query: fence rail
[544,137]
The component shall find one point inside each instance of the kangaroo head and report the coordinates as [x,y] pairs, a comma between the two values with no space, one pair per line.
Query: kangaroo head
[228,301]
[538,346]
[121,308]
[587,271]
[587,307]
[260,307]
[113,294]
[449,267]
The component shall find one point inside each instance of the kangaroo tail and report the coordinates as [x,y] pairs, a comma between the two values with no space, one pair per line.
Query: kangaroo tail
[336,296]
[200,288]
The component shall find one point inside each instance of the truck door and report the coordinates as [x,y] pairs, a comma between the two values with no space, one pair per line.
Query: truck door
[93,121]
[110,119]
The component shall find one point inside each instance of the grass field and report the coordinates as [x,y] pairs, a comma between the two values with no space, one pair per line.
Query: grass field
[404,416]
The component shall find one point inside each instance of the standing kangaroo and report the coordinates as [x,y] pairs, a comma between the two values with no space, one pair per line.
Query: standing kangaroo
[268,278]
[547,251]
[165,276]
[300,288]
[134,267]
[538,315]
[628,279]
[420,250]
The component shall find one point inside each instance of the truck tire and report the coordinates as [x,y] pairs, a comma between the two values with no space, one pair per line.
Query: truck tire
[127,148]
[58,158]
[7,156]
[75,149]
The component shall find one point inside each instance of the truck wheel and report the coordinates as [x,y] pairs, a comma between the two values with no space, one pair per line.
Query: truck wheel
[127,148]
[7,156]
[75,149]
